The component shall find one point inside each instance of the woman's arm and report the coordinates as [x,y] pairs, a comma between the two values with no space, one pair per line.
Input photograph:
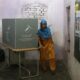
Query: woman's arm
[39,41]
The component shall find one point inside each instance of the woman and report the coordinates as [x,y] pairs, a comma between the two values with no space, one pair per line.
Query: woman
[47,53]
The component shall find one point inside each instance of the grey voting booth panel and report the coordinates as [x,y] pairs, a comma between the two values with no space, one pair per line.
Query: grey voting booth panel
[20,33]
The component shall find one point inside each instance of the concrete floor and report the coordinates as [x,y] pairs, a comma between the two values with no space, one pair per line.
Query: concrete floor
[11,73]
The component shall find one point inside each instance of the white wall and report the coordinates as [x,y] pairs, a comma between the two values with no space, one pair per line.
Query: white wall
[67,2]
[11,9]
[56,18]
[73,64]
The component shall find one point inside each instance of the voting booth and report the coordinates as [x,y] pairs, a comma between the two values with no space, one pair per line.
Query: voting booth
[20,33]
[19,36]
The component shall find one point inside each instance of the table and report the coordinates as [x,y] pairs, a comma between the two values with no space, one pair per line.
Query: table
[20,66]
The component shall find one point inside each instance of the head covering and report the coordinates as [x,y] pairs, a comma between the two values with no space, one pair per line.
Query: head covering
[43,21]
[44,33]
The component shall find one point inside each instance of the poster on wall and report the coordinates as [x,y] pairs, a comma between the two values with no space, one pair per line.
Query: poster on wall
[34,10]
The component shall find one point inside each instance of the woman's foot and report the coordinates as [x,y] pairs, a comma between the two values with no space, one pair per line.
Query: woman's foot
[44,68]
[52,66]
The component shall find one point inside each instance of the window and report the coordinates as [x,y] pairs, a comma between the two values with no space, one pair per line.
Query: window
[77,31]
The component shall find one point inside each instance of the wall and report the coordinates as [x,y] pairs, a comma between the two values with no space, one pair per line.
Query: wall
[73,64]
[10,9]
[56,18]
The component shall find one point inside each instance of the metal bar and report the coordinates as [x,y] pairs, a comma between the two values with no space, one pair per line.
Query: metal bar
[9,57]
[19,65]
[37,66]
[27,70]
[30,76]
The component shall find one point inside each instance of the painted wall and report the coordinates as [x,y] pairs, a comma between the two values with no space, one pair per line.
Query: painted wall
[55,18]
[73,64]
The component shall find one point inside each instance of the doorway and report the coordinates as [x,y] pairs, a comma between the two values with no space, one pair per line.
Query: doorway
[67,35]
[68,29]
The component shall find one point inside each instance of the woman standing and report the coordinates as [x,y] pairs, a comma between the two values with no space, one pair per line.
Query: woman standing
[47,53]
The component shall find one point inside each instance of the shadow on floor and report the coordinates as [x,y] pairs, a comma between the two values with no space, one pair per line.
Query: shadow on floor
[11,73]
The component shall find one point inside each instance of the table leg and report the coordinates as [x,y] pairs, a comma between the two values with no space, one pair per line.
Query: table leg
[37,67]
[19,65]
[9,57]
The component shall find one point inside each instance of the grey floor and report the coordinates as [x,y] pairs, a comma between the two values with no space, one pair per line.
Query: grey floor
[11,73]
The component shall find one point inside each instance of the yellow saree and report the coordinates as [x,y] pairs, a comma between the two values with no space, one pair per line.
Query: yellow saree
[47,53]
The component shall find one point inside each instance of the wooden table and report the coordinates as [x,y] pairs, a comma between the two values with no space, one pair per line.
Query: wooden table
[20,66]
